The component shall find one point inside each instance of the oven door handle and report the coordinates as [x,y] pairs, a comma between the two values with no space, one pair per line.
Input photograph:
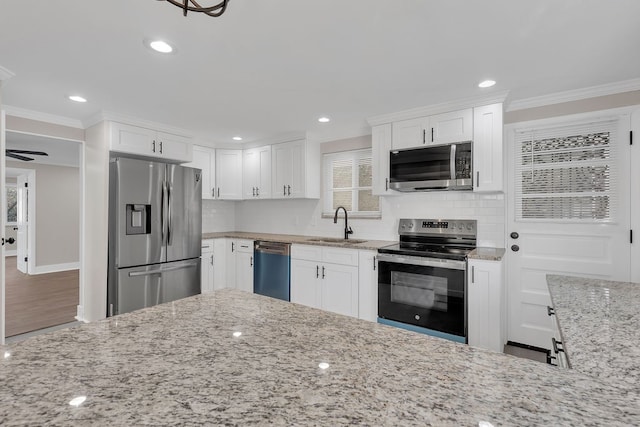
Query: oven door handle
[423,261]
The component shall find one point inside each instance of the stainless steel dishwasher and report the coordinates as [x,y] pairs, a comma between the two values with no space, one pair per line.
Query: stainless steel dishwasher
[271,271]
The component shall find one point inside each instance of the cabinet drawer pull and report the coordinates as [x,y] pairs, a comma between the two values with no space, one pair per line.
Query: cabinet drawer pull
[555,344]
[160,147]
[153,146]
[323,271]
[424,136]
[550,311]
[317,271]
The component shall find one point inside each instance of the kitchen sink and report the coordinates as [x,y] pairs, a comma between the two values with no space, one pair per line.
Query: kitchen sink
[335,240]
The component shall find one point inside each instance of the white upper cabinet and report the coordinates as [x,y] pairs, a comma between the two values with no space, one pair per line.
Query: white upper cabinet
[204,158]
[149,143]
[228,172]
[487,149]
[410,133]
[454,126]
[380,147]
[295,170]
[256,169]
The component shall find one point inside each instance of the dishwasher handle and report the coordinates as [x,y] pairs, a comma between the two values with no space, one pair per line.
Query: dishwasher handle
[276,248]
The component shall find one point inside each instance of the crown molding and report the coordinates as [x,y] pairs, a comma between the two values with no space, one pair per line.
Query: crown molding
[5,74]
[134,121]
[575,95]
[444,107]
[42,117]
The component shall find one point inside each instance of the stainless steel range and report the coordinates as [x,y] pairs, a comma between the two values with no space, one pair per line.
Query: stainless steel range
[422,280]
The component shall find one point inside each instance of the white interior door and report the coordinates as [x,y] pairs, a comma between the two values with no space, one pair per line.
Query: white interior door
[568,213]
[3,218]
[22,235]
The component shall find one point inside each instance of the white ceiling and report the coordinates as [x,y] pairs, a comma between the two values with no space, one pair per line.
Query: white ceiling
[272,67]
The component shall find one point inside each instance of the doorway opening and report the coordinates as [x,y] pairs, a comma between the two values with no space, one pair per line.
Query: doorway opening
[42,264]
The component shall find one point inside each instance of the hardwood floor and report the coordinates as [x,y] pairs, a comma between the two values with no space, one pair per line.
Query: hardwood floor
[38,301]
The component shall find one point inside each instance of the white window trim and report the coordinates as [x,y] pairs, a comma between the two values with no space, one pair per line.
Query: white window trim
[327,208]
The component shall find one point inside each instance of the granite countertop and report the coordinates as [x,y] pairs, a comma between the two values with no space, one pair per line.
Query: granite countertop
[487,254]
[180,363]
[305,240]
[599,322]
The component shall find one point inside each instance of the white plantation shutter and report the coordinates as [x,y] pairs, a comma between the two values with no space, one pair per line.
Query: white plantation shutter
[567,173]
[348,182]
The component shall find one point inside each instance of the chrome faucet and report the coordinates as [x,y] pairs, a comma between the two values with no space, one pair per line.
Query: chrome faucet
[347,229]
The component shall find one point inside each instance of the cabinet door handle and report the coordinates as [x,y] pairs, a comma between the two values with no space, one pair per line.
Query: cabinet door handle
[258,191]
[213,192]
[160,147]
[254,191]
[153,146]
[251,261]
[284,190]
[555,345]
[550,311]
[424,136]
[218,192]
[431,134]
[473,274]
[478,179]
[232,246]
[289,190]
[386,184]
[317,271]
[374,263]
[211,259]
[323,271]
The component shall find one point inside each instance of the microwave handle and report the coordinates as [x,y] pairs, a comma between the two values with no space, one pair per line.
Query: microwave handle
[452,162]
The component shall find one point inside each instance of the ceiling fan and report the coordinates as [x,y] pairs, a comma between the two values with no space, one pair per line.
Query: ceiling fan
[17,154]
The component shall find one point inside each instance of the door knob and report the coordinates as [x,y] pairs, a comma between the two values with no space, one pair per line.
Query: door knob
[514,235]
[515,248]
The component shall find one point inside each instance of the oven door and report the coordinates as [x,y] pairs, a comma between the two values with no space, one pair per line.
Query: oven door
[426,292]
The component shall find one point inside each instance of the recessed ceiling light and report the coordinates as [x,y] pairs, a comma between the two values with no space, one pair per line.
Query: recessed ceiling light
[161,46]
[486,83]
[324,119]
[77,98]
[237,138]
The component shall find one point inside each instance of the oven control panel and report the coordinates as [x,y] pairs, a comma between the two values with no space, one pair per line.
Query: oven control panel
[437,226]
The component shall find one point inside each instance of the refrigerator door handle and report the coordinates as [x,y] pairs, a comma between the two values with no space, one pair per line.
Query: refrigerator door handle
[169,236]
[160,270]
[162,215]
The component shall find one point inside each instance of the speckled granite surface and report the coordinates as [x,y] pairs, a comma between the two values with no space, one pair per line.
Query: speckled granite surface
[305,240]
[599,322]
[179,364]
[487,254]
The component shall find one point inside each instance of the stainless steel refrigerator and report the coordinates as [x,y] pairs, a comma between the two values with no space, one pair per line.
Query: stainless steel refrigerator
[155,233]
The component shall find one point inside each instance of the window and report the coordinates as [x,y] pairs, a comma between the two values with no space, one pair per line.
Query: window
[567,173]
[12,204]
[348,182]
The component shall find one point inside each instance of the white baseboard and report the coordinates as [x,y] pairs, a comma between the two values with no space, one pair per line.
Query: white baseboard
[54,268]
[80,314]
[11,253]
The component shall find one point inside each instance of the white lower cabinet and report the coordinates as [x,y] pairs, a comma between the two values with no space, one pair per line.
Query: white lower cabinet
[325,278]
[486,305]
[368,285]
[244,265]
[206,267]
[220,264]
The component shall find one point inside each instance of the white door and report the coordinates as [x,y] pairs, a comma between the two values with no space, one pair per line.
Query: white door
[229,174]
[264,172]
[635,196]
[409,133]
[250,173]
[455,126]
[204,158]
[244,271]
[3,220]
[298,157]
[305,284]
[339,287]
[567,213]
[22,236]
[174,147]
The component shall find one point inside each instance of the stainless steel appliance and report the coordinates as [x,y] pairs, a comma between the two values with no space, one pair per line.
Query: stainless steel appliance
[434,167]
[155,233]
[272,269]
[422,280]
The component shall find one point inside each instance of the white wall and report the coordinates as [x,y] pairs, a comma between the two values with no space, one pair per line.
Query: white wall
[304,216]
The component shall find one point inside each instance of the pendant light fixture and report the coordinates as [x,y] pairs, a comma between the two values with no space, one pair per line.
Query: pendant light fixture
[193,6]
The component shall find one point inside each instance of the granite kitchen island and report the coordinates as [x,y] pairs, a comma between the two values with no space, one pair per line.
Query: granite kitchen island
[236,358]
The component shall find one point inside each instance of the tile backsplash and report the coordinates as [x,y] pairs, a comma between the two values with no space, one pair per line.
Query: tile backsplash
[304,217]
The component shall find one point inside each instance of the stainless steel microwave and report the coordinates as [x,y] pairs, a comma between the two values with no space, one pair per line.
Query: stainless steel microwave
[434,167]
